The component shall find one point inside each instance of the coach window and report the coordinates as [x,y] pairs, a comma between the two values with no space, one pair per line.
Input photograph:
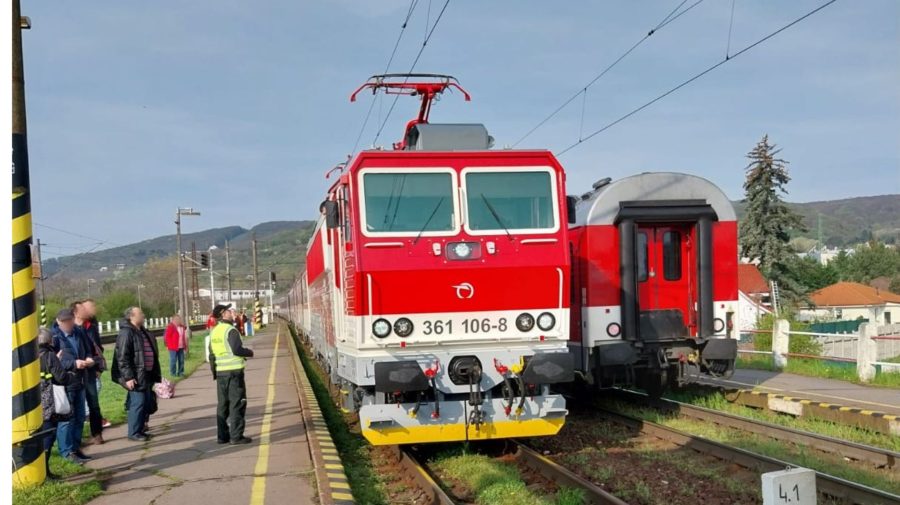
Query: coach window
[514,200]
[672,255]
[408,203]
[641,257]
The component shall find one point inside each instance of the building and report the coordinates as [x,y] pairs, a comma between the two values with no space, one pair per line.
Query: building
[236,294]
[754,297]
[846,301]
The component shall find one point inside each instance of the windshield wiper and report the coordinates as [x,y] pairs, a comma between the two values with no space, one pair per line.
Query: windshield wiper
[496,216]
[428,221]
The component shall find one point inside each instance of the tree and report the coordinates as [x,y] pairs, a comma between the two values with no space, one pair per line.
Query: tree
[869,261]
[813,275]
[766,229]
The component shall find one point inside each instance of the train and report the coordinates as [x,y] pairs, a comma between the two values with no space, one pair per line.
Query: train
[452,291]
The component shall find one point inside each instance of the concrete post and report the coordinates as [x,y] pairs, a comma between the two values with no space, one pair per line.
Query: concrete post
[780,340]
[866,352]
[117,326]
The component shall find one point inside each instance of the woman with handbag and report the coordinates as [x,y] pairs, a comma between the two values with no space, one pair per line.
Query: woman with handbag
[54,400]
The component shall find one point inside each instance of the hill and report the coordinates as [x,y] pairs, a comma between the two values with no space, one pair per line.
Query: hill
[280,247]
[850,220]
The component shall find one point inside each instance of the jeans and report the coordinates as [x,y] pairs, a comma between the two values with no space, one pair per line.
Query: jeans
[68,434]
[92,395]
[138,403]
[176,363]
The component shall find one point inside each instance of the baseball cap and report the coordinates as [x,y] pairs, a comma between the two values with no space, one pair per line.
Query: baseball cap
[218,310]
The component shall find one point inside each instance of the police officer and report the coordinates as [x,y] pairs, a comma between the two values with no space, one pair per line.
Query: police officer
[226,358]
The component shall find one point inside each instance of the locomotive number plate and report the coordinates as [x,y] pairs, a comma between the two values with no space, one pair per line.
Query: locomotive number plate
[467,326]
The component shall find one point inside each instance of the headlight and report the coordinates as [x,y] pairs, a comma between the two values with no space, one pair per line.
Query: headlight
[403,327]
[613,329]
[524,322]
[546,321]
[381,328]
[718,325]
[462,251]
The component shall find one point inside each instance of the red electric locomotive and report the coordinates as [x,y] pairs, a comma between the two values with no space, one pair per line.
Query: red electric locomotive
[436,290]
[654,281]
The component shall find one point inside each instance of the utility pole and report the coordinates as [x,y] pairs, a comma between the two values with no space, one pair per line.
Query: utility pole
[255,271]
[195,284]
[182,285]
[228,268]
[181,305]
[27,454]
[40,277]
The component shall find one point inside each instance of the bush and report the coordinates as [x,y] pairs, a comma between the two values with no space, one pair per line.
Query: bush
[798,344]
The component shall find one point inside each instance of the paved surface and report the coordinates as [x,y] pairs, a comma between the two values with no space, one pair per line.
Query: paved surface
[847,394]
[183,464]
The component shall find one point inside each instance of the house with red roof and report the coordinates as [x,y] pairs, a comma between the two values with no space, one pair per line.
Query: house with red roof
[847,301]
[754,297]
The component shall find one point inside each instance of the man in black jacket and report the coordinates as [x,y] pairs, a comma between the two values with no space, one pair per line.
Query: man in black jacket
[84,311]
[136,368]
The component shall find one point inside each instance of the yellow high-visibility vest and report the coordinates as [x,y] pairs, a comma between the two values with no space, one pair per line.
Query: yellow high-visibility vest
[218,345]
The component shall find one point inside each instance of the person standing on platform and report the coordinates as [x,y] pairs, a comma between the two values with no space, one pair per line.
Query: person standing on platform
[239,321]
[72,346]
[227,356]
[176,343]
[92,330]
[83,314]
[136,368]
[52,373]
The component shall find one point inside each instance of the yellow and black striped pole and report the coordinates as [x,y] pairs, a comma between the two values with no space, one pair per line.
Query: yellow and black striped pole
[257,315]
[28,455]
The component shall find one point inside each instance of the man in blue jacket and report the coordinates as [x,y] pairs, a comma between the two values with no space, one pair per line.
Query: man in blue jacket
[75,356]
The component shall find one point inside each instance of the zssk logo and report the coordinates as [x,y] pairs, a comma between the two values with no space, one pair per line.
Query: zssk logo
[464,291]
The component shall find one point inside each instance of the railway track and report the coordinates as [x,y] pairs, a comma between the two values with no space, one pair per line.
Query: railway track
[829,487]
[435,494]
[877,456]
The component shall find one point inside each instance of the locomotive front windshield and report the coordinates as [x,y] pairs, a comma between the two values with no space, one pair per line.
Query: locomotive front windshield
[408,202]
[509,200]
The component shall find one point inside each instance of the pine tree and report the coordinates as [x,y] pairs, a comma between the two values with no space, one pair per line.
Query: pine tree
[766,228]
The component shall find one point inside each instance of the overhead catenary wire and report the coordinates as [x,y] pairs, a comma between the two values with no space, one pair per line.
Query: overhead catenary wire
[693,78]
[68,232]
[362,129]
[730,27]
[670,17]
[411,68]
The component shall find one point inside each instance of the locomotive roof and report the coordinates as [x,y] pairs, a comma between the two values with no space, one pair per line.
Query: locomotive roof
[602,206]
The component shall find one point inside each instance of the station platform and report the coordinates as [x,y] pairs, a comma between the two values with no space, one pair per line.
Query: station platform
[182,463]
[828,391]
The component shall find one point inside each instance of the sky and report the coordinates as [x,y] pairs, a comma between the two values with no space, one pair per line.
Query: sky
[239,108]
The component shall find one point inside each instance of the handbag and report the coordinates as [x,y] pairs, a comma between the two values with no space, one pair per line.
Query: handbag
[99,358]
[61,405]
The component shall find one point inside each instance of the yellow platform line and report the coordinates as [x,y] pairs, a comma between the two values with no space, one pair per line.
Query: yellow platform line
[258,493]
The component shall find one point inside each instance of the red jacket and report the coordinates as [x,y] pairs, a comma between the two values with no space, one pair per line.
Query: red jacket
[172,338]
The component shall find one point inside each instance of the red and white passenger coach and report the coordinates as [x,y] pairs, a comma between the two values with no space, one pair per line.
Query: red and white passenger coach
[654,280]
[437,285]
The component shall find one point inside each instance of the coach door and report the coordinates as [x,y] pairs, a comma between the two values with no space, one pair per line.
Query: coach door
[666,281]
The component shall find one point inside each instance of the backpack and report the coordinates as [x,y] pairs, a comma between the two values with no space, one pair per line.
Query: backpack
[55,403]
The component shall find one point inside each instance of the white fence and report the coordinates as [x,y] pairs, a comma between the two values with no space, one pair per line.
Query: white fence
[868,348]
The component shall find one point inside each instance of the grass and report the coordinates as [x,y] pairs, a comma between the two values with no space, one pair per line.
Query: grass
[820,368]
[59,492]
[718,401]
[366,485]
[798,455]
[496,483]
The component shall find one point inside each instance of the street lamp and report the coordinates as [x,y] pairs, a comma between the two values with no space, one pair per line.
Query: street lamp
[139,286]
[182,299]
[89,282]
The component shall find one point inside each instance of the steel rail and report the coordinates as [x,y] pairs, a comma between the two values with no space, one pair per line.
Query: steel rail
[879,457]
[563,476]
[826,485]
[423,477]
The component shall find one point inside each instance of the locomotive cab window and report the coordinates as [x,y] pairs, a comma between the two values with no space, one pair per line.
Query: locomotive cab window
[515,200]
[407,203]
[672,255]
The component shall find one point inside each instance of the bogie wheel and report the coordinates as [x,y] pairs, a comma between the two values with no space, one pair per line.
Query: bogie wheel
[655,382]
